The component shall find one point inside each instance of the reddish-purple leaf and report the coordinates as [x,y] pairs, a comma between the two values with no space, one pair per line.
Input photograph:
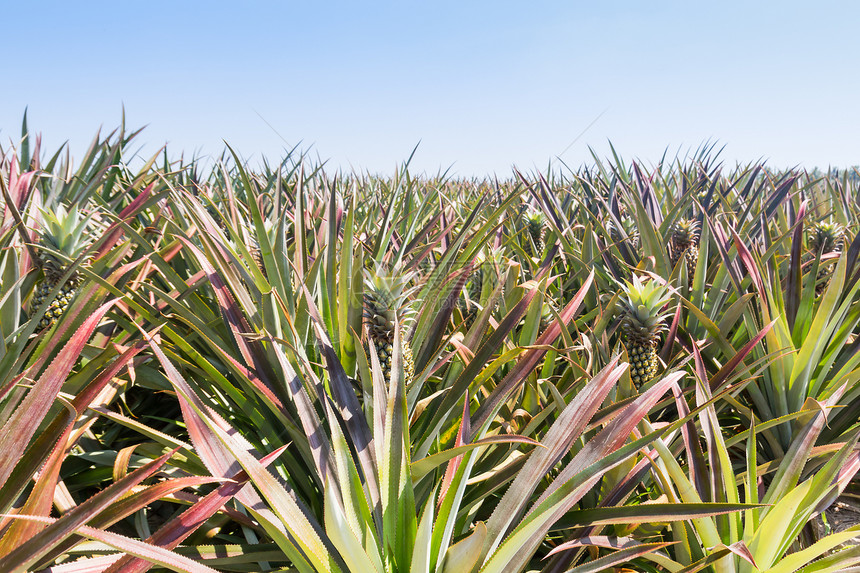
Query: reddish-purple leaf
[614,435]
[135,502]
[177,529]
[608,543]
[43,542]
[40,500]
[144,550]
[44,442]
[115,231]
[563,433]
[215,454]
[437,329]
[730,366]
[531,358]
[86,565]
[695,456]
[484,353]
[463,435]
[232,313]
[749,262]
[666,352]
[740,549]
[21,426]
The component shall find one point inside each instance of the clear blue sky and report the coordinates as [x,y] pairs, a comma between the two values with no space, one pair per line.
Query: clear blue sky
[483,85]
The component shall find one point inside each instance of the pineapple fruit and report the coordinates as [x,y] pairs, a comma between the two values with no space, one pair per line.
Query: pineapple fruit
[824,238]
[534,233]
[385,303]
[685,243]
[643,320]
[65,232]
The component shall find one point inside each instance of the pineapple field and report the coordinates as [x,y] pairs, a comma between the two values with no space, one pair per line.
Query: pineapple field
[226,366]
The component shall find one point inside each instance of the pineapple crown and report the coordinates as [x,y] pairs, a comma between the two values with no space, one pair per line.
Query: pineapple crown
[643,302]
[534,220]
[627,224]
[826,237]
[268,228]
[386,294]
[63,230]
[686,228]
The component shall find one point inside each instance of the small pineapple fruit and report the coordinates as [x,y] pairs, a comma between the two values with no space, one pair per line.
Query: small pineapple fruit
[385,303]
[534,233]
[685,243]
[642,323]
[64,232]
[824,238]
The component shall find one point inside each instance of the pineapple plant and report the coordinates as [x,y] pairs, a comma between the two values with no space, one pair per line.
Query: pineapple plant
[533,233]
[824,237]
[630,236]
[642,322]
[385,302]
[63,231]
[684,242]
[622,229]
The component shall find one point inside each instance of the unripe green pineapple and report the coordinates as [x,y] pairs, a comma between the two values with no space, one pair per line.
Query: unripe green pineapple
[824,238]
[385,302]
[685,243]
[64,232]
[534,233]
[642,323]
